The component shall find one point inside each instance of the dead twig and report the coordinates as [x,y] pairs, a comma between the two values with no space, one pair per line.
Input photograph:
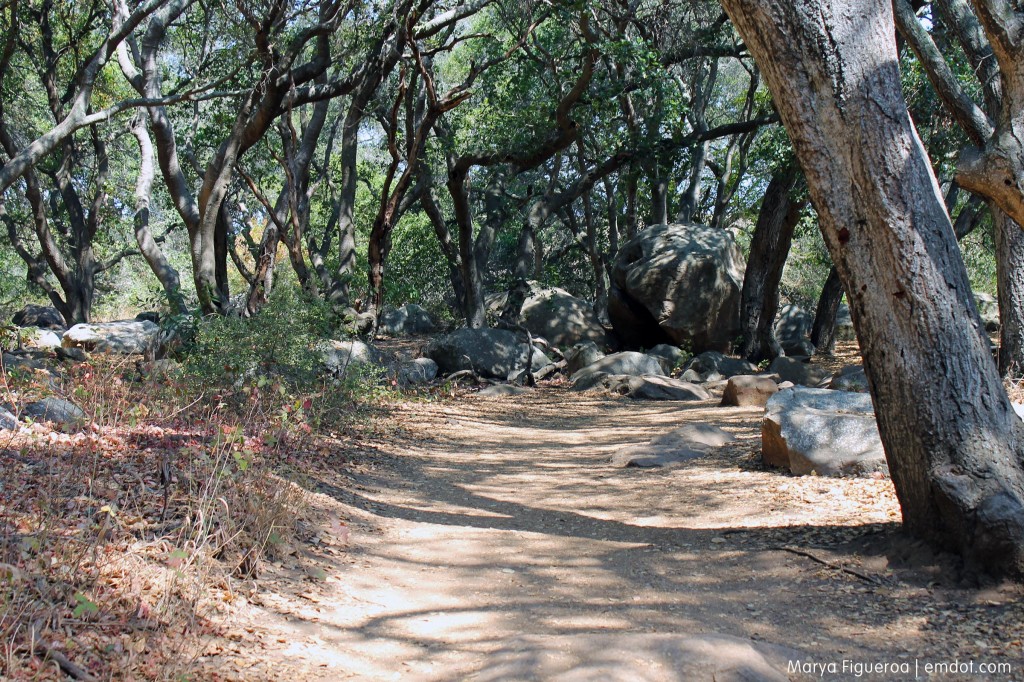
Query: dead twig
[836,567]
[72,669]
[462,374]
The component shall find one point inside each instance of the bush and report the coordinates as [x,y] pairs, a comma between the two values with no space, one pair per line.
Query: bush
[281,341]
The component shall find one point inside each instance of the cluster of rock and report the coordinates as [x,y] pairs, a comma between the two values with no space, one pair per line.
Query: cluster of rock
[42,328]
[672,286]
[815,421]
[42,337]
[353,358]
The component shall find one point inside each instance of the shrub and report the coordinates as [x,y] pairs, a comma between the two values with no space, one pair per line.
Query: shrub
[281,341]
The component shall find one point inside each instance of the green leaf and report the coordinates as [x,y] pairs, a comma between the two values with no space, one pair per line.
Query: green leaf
[85,606]
[240,461]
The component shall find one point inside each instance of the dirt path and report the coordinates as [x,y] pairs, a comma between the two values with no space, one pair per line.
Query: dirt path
[493,541]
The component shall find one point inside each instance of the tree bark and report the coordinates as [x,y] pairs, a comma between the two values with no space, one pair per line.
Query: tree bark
[1010,284]
[769,248]
[151,251]
[952,440]
[976,124]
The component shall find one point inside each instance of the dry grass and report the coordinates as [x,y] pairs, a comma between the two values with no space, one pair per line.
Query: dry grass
[121,543]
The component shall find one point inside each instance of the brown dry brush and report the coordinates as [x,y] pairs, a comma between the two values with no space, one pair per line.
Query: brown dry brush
[121,542]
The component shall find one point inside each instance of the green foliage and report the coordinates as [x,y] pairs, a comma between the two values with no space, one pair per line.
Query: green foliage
[280,342]
[979,253]
[417,270]
[807,266]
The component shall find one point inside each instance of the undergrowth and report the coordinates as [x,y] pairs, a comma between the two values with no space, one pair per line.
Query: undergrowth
[123,538]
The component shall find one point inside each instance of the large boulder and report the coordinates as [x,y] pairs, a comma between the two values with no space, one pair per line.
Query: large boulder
[601,381]
[628,363]
[27,361]
[851,378]
[581,355]
[844,324]
[55,410]
[416,372]
[490,353]
[678,284]
[799,371]
[356,323]
[43,339]
[793,330]
[44,317]
[663,388]
[748,390]
[670,356]
[562,319]
[341,356]
[407,320]
[831,433]
[127,337]
[495,301]
[712,364]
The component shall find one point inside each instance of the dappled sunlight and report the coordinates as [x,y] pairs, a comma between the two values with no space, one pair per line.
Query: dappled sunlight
[498,542]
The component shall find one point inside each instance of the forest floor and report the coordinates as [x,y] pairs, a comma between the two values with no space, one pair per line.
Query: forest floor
[473,538]
[490,539]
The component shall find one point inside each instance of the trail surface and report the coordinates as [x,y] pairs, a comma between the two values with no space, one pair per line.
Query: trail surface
[490,539]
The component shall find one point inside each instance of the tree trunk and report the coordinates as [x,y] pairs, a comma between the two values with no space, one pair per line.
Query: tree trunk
[952,440]
[1010,283]
[526,260]
[346,218]
[691,196]
[151,251]
[659,195]
[473,308]
[823,332]
[263,279]
[769,248]
[448,247]
[630,217]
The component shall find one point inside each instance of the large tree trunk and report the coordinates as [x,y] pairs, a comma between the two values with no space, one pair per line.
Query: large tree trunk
[951,438]
[1001,87]
[823,331]
[769,249]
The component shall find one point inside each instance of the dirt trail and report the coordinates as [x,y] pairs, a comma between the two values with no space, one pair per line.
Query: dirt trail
[493,541]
